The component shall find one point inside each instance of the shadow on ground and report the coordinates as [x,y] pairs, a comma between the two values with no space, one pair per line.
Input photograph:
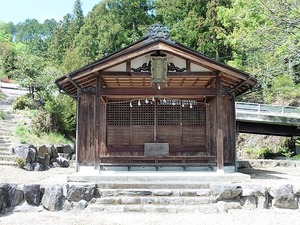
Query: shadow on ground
[263,174]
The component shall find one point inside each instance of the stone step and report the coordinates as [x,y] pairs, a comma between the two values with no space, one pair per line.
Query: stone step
[7,129]
[152,185]
[5,152]
[6,133]
[155,192]
[5,145]
[157,177]
[9,158]
[207,209]
[4,140]
[4,148]
[153,200]
[8,163]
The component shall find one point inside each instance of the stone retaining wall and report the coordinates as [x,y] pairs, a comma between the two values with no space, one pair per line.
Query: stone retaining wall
[217,198]
[265,163]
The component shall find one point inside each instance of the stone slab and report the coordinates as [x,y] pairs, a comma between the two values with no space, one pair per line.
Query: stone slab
[156,149]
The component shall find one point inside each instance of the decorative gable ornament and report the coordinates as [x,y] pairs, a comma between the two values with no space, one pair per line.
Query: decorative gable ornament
[158,31]
[159,69]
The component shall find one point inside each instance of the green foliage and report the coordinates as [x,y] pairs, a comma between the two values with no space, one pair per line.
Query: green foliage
[1,115]
[259,153]
[58,115]
[24,134]
[283,151]
[24,102]
[20,162]
[296,157]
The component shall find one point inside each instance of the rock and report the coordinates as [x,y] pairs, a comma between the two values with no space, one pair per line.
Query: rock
[41,151]
[40,160]
[26,208]
[249,202]
[3,197]
[53,199]
[203,192]
[226,206]
[55,164]
[242,164]
[32,194]
[15,195]
[11,195]
[52,151]
[47,161]
[38,167]
[254,195]
[65,155]
[27,152]
[253,190]
[68,206]
[60,162]
[79,192]
[225,192]
[28,167]
[162,192]
[284,197]
[296,191]
[65,149]
[82,204]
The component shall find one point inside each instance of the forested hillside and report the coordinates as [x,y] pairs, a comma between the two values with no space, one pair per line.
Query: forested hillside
[261,37]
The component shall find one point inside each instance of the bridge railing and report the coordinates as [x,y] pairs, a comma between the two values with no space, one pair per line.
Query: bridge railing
[264,109]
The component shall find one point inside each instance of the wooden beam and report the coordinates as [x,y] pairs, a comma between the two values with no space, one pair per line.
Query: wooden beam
[188,65]
[107,74]
[153,91]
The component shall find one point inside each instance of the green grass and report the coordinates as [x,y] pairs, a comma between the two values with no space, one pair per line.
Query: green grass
[25,136]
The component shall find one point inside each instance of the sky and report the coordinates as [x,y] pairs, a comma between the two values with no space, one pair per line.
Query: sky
[19,10]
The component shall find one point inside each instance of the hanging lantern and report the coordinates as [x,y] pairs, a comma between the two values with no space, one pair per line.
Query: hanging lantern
[159,69]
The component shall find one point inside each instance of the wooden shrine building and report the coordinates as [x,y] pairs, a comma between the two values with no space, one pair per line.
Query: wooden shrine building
[156,103]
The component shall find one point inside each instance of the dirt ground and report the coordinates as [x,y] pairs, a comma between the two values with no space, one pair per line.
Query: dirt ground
[265,176]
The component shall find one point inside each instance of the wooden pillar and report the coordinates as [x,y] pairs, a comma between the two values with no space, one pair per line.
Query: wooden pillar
[77,128]
[97,120]
[220,136]
[155,120]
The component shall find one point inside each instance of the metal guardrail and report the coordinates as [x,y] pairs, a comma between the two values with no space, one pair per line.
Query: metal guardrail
[264,109]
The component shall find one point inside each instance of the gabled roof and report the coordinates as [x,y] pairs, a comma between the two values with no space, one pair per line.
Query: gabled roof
[127,68]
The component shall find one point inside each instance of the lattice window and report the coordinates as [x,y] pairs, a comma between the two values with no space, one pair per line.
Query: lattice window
[118,113]
[168,112]
[143,114]
[193,114]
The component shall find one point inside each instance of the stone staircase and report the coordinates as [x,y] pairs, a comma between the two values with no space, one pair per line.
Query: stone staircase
[8,126]
[158,192]
[154,200]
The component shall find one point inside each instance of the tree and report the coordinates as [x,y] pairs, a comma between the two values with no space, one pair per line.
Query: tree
[265,42]
[112,25]
[7,54]
[196,24]
[29,69]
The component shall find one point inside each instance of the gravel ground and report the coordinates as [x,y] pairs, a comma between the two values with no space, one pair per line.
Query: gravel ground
[239,217]
[264,176]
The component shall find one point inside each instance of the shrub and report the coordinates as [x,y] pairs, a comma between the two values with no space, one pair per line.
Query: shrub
[297,157]
[23,102]
[42,123]
[20,162]
[264,153]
